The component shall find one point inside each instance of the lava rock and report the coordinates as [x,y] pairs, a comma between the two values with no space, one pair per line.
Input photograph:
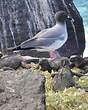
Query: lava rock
[59,63]
[63,79]
[55,64]
[76,61]
[84,63]
[80,62]
[45,65]
[85,68]
[48,64]
[12,61]
[22,90]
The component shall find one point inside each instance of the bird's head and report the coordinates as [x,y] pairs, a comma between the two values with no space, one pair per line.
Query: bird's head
[61,16]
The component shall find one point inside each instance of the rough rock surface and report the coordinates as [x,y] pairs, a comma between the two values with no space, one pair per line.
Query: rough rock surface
[22,19]
[44,63]
[56,64]
[77,61]
[63,79]
[12,61]
[22,90]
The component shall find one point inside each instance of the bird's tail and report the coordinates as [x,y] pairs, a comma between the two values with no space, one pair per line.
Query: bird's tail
[19,48]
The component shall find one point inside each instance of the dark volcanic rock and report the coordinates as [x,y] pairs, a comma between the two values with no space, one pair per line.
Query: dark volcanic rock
[80,62]
[59,63]
[44,63]
[22,19]
[55,64]
[77,61]
[48,64]
[12,61]
[22,90]
[63,79]
[84,62]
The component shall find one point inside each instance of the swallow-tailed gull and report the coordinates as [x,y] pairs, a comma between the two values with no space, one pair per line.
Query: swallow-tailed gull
[49,39]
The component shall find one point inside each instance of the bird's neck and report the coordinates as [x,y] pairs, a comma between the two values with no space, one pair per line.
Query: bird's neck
[60,25]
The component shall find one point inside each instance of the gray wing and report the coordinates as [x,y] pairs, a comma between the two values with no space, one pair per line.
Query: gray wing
[27,42]
[43,39]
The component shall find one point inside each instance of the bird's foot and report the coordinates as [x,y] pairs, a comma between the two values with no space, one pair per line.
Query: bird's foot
[53,55]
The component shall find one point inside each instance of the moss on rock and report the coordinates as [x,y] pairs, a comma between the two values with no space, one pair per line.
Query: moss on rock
[69,99]
[83,81]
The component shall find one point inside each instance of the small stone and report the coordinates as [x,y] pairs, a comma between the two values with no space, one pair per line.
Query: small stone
[85,68]
[76,60]
[45,65]
[63,79]
[59,63]
[12,61]
[84,63]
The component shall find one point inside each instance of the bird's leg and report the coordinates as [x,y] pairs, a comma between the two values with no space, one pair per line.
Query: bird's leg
[54,54]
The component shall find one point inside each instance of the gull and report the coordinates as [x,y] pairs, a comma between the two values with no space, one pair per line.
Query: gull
[49,40]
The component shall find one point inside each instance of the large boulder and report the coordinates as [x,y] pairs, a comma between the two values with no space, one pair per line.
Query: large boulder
[22,90]
[22,19]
